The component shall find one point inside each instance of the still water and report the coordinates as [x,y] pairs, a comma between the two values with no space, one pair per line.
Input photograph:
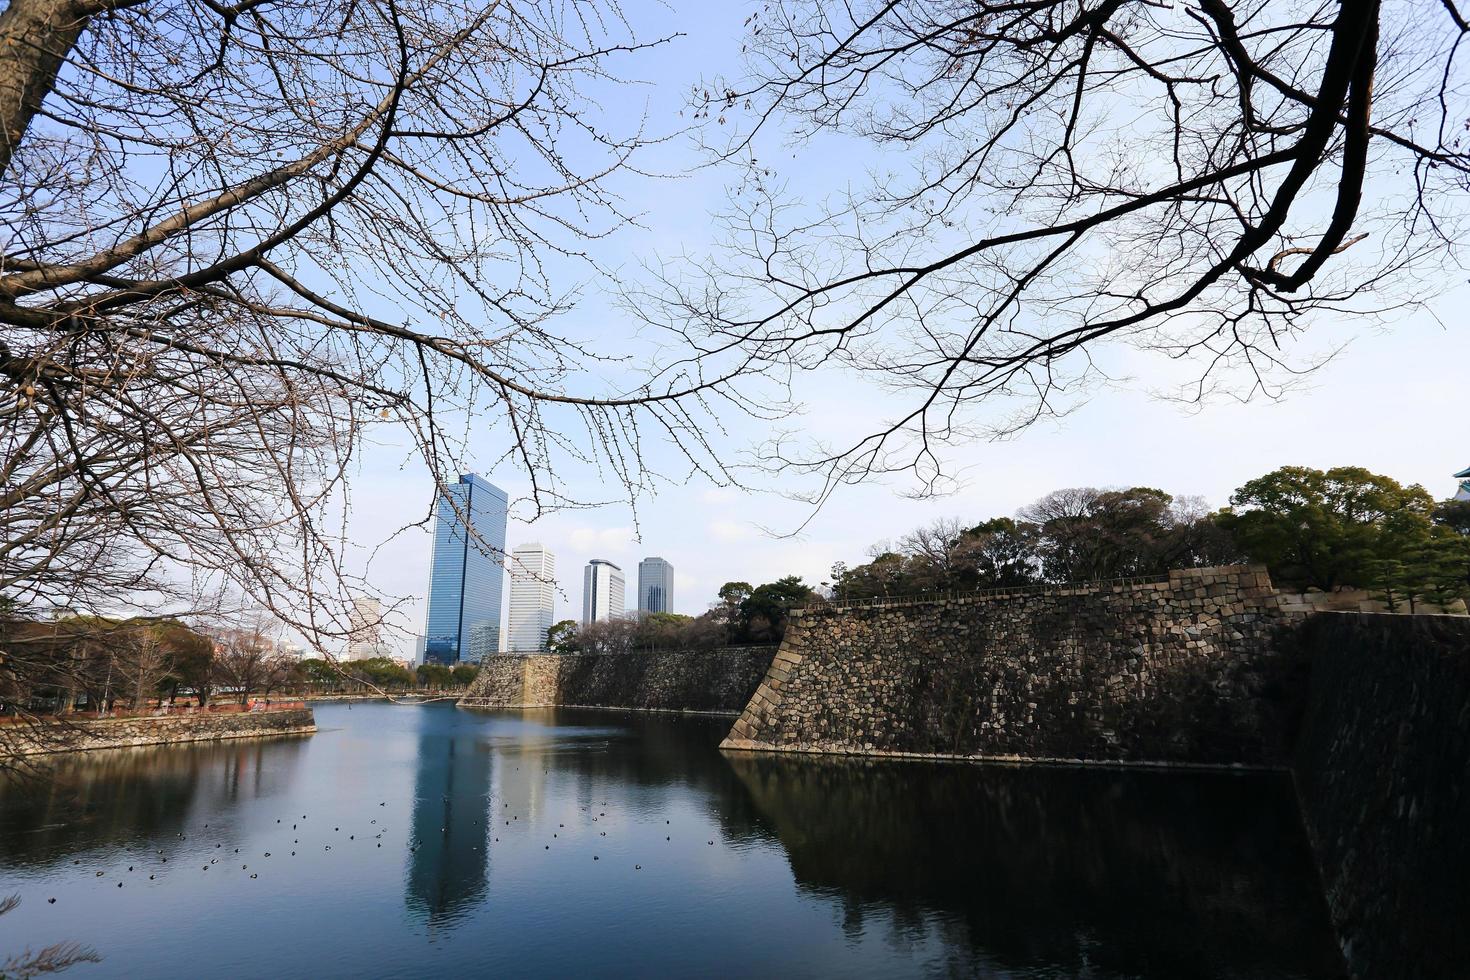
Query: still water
[431,841]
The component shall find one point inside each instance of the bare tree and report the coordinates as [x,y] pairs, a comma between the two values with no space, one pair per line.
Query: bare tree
[247,656]
[1204,179]
[239,235]
[142,665]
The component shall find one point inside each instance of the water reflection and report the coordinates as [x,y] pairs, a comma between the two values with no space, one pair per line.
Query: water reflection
[1093,872]
[407,842]
[120,796]
[448,859]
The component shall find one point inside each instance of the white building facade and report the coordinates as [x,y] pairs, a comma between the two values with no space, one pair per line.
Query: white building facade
[532,597]
[365,625]
[603,591]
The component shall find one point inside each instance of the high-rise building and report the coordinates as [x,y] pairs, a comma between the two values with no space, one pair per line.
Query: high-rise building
[655,586]
[365,630]
[602,591]
[463,622]
[532,597]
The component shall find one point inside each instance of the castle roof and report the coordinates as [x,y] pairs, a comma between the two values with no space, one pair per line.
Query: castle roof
[1463,473]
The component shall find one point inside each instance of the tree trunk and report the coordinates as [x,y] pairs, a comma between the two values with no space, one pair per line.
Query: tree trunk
[35,38]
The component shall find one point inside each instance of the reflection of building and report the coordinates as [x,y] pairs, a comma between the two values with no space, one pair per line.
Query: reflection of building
[602,591]
[655,586]
[463,621]
[449,867]
[1464,477]
[532,597]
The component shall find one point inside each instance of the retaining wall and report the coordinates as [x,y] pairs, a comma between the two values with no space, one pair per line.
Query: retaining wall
[78,734]
[1382,771]
[720,680]
[1183,670]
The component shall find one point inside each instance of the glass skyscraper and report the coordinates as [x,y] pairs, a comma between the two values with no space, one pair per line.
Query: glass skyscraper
[465,578]
[655,586]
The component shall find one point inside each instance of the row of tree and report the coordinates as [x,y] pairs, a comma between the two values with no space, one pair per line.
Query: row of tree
[98,664]
[1341,528]
[324,677]
[744,614]
[93,662]
[1314,529]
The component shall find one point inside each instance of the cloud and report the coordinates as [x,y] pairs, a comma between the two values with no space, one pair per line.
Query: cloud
[588,538]
[729,531]
[718,495]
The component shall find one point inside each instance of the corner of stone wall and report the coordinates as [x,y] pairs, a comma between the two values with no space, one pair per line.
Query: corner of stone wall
[760,711]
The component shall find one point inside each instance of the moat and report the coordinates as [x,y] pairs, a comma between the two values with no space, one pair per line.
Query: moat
[429,840]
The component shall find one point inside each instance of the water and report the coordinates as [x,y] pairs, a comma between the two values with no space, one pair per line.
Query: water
[534,844]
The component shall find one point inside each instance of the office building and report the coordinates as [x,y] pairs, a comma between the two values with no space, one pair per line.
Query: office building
[602,591]
[365,630]
[463,621]
[532,597]
[655,586]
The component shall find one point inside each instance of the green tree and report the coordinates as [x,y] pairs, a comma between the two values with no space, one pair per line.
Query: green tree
[1453,517]
[763,613]
[434,677]
[732,595]
[1330,528]
[561,637]
[1087,534]
[462,674]
[381,672]
[1003,553]
[887,574]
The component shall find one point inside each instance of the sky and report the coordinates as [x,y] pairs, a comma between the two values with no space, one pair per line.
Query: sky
[1392,400]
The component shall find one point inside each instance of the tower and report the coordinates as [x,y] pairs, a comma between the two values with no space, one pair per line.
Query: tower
[1464,477]
[603,590]
[655,586]
[365,636]
[532,597]
[463,622]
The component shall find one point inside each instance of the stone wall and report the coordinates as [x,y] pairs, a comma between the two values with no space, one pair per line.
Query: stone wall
[80,734]
[719,680]
[1184,669]
[1382,769]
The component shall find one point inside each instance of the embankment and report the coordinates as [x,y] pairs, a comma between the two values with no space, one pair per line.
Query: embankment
[1369,712]
[1382,770]
[80,734]
[1183,670]
[720,680]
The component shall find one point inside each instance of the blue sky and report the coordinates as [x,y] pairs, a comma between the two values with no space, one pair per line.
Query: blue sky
[1391,400]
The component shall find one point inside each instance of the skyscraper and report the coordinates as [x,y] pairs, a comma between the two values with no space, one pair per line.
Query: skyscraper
[463,622]
[532,597]
[655,586]
[365,633]
[602,591]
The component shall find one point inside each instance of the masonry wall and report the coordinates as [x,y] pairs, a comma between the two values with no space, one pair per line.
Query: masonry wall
[1187,669]
[1382,769]
[721,680]
[107,733]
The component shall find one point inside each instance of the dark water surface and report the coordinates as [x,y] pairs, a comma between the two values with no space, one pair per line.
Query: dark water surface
[434,841]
